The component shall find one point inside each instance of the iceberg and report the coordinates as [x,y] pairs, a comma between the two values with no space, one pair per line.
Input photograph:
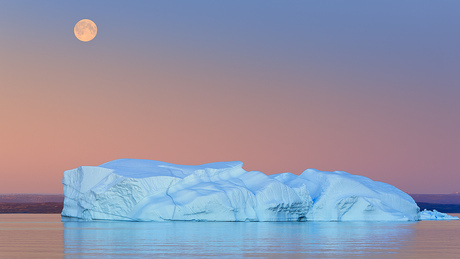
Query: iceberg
[435,215]
[147,190]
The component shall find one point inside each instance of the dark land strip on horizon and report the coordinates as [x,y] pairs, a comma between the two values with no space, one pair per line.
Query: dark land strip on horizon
[35,208]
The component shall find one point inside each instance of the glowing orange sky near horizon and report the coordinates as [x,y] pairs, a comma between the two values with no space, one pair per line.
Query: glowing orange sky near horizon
[65,104]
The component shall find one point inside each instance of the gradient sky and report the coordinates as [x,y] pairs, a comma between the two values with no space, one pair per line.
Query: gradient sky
[367,87]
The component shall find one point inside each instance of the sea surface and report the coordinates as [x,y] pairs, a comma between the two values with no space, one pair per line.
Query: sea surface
[45,236]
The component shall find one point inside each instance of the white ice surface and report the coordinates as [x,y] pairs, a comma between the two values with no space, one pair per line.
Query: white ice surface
[435,215]
[146,190]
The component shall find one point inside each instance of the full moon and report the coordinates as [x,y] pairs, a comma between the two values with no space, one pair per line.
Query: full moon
[85,30]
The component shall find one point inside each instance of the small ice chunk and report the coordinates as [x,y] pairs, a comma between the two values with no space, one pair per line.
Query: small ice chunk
[435,215]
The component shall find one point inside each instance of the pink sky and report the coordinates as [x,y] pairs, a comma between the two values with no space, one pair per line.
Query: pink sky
[270,98]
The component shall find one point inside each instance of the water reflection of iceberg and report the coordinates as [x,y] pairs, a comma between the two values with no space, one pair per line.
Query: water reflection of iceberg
[230,239]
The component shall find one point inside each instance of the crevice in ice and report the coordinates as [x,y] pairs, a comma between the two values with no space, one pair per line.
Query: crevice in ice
[105,186]
[179,174]
[218,186]
[116,216]
[344,205]
[175,205]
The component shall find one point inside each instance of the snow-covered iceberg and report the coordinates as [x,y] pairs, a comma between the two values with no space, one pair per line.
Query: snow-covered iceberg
[146,190]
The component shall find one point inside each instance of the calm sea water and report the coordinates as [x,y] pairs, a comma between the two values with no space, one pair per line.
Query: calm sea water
[45,236]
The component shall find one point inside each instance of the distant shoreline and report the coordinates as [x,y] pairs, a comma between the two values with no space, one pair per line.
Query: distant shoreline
[53,203]
[36,208]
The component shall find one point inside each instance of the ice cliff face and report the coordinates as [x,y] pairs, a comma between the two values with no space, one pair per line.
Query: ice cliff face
[145,190]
